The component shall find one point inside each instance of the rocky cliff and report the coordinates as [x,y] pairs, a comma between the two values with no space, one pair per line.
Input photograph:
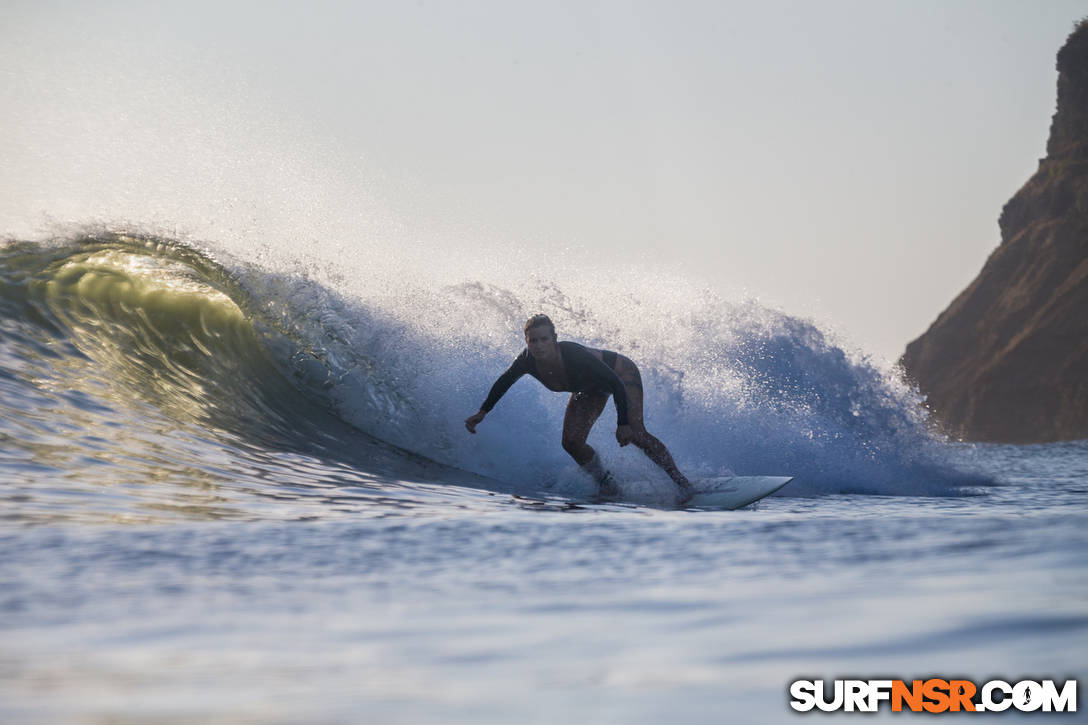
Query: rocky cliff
[1008,360]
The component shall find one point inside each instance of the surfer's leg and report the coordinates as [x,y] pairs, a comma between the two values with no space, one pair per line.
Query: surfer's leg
[582,412]
[583,409]
[650,445]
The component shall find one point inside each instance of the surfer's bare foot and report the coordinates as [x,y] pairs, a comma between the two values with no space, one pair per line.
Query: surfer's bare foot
[607,488]
[686,492]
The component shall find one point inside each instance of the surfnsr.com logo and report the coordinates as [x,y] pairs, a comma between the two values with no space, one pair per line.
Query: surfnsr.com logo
[933,695]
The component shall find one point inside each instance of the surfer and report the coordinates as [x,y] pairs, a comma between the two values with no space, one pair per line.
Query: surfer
[590,376]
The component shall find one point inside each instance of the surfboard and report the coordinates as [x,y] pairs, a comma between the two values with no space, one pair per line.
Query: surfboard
[733,492]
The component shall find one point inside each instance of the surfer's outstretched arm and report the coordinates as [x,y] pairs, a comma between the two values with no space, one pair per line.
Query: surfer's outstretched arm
[518,368]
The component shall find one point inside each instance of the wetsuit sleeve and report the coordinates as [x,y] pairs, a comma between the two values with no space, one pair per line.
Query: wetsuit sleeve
[517,368]
[606,376]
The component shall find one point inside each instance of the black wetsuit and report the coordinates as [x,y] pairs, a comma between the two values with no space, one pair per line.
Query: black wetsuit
[584,371]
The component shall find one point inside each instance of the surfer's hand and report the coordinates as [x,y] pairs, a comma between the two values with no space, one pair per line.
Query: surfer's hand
[624,434]
[474,420]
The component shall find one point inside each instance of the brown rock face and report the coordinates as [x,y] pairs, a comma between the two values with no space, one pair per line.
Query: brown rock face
[1008,360]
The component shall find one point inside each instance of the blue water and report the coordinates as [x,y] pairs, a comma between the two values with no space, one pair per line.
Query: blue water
[237,493]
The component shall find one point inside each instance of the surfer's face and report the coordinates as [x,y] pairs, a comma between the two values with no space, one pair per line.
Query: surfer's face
[542,342]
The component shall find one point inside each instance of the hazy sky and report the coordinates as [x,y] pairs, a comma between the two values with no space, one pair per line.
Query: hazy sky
[841,160]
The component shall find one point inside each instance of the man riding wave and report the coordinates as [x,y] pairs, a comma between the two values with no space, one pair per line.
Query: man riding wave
[590,376]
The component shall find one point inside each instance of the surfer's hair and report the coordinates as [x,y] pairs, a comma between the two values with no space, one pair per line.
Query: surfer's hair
[538,321]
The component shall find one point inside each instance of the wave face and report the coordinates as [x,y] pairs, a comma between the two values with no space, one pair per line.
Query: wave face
[110,330]
[146,322]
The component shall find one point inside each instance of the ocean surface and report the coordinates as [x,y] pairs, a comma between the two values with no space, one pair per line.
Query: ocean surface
[241,492]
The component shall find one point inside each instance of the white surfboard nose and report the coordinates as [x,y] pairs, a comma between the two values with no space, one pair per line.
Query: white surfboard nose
[735,491]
